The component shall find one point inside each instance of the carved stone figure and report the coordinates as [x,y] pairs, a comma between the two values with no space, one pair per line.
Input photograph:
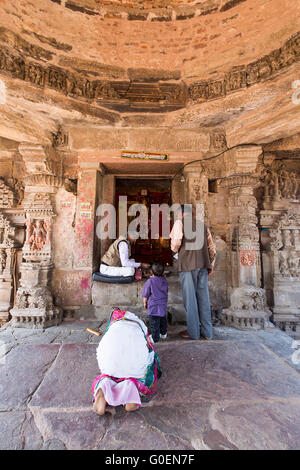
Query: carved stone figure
[283,265]
[293,263]
[31,301]
[279,184]
[19,190]
[60,138]
[38,236]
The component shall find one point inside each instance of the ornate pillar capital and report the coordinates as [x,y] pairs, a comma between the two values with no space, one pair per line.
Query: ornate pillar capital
[243,159]
[43,165]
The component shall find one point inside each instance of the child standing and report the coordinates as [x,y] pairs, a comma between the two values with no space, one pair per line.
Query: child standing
[155,298]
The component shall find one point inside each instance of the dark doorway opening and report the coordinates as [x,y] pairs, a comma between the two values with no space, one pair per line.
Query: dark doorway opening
[146,192]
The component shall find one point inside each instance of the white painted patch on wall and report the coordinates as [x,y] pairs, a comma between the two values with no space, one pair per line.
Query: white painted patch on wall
[296,94]
[2,92]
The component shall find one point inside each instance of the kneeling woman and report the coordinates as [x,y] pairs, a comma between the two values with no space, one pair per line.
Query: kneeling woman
[128,363]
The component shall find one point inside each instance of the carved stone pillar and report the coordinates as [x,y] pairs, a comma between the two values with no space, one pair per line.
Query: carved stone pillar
[248,302]
[34,306]
[9,197]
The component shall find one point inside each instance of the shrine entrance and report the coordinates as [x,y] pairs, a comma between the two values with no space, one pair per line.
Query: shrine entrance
[146,191]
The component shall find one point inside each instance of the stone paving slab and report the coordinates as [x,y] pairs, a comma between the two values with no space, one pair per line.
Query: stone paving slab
[223,370]
[68,384]
[131,431]
[282,346]
[73,429]
[240,391]
[18,431]
[22,371]
[67,332]
[216,371]
[262,425]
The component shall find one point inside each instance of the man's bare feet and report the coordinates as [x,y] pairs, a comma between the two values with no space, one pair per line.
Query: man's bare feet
[100,403]
[131,406]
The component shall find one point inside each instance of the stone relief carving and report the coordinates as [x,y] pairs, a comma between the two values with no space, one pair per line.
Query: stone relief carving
[7,196]
[34,299]
[285,234]
[289,265]
[247,257]
[248,75]
[34,305]
[60,138]
[38,203]
[37,235]
[279,183]
[248,309]
[252,300]
[19,191]
[78,86]
[282,252]
[171,93]
[7,232]
[218,141]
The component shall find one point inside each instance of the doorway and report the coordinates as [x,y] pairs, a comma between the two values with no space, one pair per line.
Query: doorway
[146,191]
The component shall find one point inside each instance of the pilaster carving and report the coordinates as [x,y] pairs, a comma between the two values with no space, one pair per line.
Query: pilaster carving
[34,304]
[7,195]
[281,263]
[8,247]
[248,301]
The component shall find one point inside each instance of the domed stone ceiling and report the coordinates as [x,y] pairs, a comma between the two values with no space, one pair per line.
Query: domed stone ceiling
[210,63]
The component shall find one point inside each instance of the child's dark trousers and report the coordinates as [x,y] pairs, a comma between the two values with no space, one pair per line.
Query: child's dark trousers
[158,326]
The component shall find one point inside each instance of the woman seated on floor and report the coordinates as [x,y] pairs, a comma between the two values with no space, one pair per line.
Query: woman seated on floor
[117,262]
[128,363]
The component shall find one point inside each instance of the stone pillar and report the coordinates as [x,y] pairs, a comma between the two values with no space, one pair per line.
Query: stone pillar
[34,306]
[87,246]
[248,302]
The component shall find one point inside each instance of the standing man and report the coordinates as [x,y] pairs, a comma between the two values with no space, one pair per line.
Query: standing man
[194,267]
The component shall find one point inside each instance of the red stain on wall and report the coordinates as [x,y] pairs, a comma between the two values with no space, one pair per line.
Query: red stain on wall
[85,283]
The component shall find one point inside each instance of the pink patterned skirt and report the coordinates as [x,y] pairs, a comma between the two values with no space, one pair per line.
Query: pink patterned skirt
[117,393]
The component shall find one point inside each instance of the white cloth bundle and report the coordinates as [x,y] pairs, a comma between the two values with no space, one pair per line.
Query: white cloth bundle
[123,350]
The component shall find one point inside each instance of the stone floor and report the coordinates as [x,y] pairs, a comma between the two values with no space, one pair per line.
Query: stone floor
[239,391]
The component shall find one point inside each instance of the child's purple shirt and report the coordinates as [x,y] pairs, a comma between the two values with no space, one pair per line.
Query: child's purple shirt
[156,291]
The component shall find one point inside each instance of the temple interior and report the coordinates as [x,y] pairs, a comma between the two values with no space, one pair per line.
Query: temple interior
[147,192]
[212,84]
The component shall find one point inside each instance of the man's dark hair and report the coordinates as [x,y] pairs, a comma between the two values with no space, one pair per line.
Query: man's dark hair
[157,269]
